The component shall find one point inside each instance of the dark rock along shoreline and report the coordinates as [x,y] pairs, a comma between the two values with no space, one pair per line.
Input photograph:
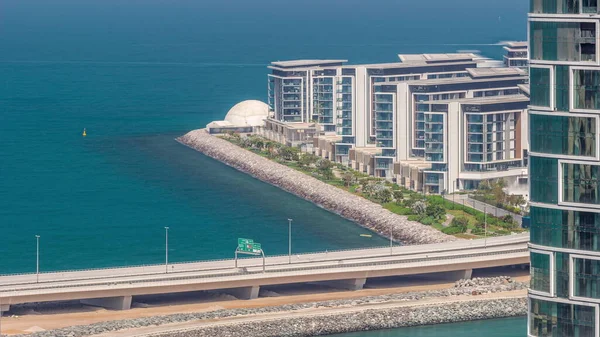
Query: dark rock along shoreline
[362,211]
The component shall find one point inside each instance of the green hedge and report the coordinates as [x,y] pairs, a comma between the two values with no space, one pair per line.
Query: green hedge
[452,230]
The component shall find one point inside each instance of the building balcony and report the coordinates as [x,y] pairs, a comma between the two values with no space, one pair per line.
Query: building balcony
[434,157]
[434,150]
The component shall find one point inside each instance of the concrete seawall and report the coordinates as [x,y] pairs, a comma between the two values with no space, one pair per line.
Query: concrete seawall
[362,211]
[364,320]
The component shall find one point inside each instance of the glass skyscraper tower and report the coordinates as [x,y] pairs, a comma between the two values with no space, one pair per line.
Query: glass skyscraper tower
[564,168]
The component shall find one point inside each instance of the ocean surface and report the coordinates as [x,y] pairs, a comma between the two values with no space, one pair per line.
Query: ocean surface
[505,327]
[138,73]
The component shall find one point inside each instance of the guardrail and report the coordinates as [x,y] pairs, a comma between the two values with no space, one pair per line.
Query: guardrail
[303,270]
[130,271]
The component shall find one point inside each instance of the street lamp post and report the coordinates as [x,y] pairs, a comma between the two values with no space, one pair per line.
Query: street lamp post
[391,238]
[37,259]
[485,227]
[290,241]
[166,250]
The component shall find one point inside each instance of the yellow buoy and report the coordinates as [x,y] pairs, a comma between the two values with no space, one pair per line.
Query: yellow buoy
[84,134]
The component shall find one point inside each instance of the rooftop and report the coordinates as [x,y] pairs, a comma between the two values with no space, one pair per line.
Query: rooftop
[407,60]
[401,64]
[306,63]
[368,150]
[426,58]
[495,72]
[483,100]
[516,44]
[443,81]
[524,88]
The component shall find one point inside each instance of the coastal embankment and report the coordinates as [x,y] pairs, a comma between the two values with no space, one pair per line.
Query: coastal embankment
[465,300]
[362,211]
[351,320]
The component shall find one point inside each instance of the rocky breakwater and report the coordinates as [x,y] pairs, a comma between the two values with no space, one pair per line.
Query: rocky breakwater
[362,211]
[363,320]
[340,315]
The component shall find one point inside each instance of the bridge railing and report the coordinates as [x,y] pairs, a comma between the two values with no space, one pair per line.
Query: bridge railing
[148,269]
[169,279]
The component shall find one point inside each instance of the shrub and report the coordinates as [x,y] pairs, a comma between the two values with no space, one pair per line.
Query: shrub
[436,200]
[414,217]
[348,178]
[427,221]
[460,221]
[419,207]
[452,230]
[307,159]
[478,231]
[398,195]
[384,195]
[435,211]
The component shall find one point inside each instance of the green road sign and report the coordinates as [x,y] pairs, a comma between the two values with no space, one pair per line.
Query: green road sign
[248,246]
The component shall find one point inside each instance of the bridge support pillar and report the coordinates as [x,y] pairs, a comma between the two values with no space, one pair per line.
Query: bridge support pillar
[114,303]
[244,293]
[4,308]
[350,284]
[466,274]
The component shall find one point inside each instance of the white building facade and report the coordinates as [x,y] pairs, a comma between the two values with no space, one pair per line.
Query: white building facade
[373,117]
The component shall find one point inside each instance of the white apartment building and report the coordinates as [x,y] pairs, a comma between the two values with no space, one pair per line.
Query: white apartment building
[517,55]
[375,117]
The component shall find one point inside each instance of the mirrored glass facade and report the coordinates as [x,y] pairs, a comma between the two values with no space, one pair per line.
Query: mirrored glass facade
[564,168]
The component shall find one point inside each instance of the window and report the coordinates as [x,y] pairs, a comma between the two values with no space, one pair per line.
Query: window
[585,278]
[562,86]
[540,272]
[544,184]
[561,319]
[565,229]
[563,41]
[555,6]
[540,86]
[589,6]
[573,136]
[580,183]
[586,89]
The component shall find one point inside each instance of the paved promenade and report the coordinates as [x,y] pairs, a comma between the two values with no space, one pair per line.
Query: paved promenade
[462,199]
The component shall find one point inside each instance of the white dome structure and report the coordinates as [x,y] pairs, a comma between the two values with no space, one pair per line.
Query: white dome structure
[248,113]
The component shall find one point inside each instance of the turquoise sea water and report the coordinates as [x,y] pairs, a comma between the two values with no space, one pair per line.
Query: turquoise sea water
[138,73]
[506,327]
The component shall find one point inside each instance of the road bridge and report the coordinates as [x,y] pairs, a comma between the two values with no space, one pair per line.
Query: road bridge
[114,288]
